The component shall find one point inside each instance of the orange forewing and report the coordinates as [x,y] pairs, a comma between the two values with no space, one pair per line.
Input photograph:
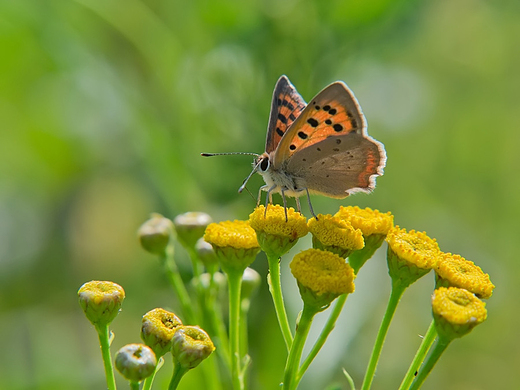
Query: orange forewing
[333,112]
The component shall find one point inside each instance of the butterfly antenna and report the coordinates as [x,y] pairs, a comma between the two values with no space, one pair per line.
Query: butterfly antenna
[228,154]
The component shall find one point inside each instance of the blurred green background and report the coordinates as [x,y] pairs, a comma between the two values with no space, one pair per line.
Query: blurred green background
[105,106]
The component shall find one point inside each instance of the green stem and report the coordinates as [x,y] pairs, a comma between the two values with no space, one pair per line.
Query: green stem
[104,343]
[134,385]
[425,370]
[329,326]
[178,373]
[275,288]
[170,268]
[395,296]
[427,342]
[235,285]
[148,382]
[291,379]
[216,321]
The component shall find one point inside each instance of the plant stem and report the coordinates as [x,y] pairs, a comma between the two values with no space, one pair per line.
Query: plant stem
[291,378]
[148,382]
[395,296]
[235,285]
[329,326]
[425,370]
[104,343]
[134,385]
[275,288]
[178,373]
[427,342]
[170,268]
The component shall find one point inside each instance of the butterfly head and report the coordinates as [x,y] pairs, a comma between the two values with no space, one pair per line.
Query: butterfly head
[262,163]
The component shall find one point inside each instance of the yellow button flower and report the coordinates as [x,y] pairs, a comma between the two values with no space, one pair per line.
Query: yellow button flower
[337,236]
[373,224]
[456,271]
[411,255]
[322,276]
[456,311]
[234,242]
[367,220]
[277,236]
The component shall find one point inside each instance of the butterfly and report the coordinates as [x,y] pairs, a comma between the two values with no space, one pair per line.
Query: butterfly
[316,148]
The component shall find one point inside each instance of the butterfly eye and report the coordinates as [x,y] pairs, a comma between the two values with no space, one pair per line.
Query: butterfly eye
[264,165]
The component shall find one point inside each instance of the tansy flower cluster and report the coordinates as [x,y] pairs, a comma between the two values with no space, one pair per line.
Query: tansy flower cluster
[328,252]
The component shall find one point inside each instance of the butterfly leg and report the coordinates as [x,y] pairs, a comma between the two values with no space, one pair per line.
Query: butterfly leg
[268,198]
[310,204]
[298,205]
[284,204]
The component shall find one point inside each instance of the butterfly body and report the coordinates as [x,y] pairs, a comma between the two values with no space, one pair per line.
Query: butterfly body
[319,148]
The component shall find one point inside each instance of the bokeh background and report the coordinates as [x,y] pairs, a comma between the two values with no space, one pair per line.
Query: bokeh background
[105,106]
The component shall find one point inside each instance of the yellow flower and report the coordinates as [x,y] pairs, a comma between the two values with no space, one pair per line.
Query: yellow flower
[235,244]
[456,271]
[332,234]
[411,255]
[456,312]
[157,330]
[322,276]
[367,220]
[101,301]
[373,224]
[276,235]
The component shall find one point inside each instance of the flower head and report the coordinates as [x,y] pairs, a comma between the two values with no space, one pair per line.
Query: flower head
[190,227]
[101,301]
[455,271]
[275,234]
[322,276]
[411,255]
[155,234]
[456,312]
[367,220]
[135,362]
[235,244]
[334,235]
[373,224]
[191,345]
[157,330]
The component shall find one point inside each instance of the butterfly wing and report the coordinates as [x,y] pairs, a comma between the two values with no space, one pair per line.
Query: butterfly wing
[338,166]
[327,149]
[286,106]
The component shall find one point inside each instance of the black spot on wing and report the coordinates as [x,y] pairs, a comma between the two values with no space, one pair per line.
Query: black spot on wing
[313,122]
[302,135]
[337,127]
[282,118]
[279,132]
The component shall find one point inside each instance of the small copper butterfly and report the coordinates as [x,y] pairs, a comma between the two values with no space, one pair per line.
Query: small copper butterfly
[321,147]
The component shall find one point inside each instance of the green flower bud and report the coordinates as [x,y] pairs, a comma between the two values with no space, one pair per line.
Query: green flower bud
[190,346]
[135,362]
[101,301]
[155,234]
[157,330]
[190,227]
[206,253]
